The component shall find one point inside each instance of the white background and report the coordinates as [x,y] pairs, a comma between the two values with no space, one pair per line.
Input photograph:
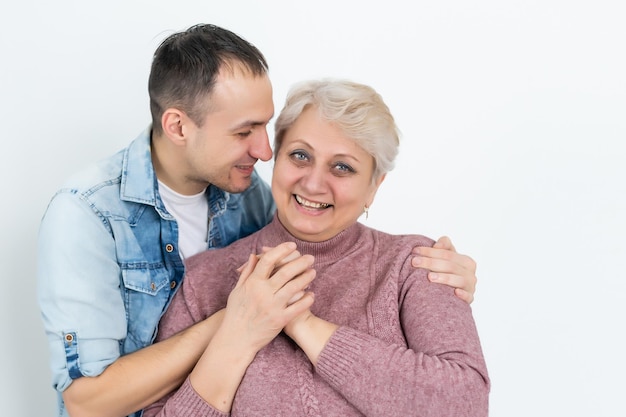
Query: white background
[513,116]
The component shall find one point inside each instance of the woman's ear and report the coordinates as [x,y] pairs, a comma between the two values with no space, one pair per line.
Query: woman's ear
[173,123]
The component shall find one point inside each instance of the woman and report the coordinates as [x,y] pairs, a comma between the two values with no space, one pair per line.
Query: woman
[343,325]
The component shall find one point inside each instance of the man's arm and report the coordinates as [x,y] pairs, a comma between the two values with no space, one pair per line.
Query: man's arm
[448,267]
[85,320]
[136,380]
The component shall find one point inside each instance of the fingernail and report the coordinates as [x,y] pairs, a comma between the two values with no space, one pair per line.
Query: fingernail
[432,276]
[416,260]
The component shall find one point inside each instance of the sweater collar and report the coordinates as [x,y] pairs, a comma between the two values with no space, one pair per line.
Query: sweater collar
[341,244]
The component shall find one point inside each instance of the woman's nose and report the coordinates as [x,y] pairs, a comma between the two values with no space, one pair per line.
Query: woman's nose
[314,180]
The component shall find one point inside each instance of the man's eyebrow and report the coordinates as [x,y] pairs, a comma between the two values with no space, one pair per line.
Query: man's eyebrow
[251,123]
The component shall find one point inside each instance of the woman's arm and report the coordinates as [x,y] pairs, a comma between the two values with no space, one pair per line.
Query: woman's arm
[258,308]
[442,371]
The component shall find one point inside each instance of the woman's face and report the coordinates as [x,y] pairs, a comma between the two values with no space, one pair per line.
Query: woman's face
[322,179]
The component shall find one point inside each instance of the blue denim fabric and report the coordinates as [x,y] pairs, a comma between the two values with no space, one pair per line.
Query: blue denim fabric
[108,260]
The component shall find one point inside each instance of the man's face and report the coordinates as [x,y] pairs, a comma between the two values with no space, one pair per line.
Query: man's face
[234,135]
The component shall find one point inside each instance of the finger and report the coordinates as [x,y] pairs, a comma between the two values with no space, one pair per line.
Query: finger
[439,265]
[295,297]
[444,242]
[465,283]
[298,284]
[293,274]
[270,259]
[300,306]
[445,258]
[464,295]
[293,255]
[246,269]
[241,268]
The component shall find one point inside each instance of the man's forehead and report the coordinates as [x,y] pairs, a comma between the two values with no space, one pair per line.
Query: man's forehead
[237,69]
[240,90]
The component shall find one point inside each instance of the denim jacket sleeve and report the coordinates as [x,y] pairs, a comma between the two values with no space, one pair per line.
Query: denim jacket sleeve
[78,285]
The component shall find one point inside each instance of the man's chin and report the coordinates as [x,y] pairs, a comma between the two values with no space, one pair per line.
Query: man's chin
[237,188]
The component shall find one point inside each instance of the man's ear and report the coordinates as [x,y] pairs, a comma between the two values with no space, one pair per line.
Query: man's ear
[173,124]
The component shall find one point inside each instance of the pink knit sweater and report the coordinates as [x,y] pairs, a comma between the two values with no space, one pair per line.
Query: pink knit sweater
[406,346]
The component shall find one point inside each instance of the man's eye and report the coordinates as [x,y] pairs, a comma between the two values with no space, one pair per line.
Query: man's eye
[244,134]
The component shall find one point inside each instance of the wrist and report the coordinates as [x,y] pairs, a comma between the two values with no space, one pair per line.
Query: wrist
[232,346]
[311,333]
[299,325]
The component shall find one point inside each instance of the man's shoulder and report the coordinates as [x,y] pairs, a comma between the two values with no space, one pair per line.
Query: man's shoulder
[104,172]
[111,170]
[99,186]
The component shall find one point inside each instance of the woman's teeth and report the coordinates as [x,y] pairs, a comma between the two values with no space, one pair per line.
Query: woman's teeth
[310,204]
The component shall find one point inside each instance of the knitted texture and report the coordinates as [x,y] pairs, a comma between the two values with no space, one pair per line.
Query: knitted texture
[405,346]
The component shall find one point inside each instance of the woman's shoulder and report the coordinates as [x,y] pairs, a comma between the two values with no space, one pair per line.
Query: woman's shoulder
[393,255]
[399,243]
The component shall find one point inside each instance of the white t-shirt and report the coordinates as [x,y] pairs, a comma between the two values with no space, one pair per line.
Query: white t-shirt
[192,215]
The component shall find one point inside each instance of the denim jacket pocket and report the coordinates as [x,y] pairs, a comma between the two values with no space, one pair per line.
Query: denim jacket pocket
[145,280]
[146,293]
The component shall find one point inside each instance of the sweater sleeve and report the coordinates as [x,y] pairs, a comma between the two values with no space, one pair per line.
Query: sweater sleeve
[439,372]
[186,309]
[183,402]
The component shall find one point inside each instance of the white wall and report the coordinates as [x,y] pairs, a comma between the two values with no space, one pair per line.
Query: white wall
[514,122]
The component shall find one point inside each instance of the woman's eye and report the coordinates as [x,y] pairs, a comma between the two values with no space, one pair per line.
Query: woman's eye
[299,156]
[244,134]
[343,168]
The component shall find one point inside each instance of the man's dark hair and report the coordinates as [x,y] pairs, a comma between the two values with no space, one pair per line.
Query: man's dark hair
[186,64]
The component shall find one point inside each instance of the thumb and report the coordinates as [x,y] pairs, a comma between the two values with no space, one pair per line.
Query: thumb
[246,269]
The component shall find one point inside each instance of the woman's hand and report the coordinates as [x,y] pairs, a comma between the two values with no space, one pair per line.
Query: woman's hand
[448,267]
[258,308]
[270,292]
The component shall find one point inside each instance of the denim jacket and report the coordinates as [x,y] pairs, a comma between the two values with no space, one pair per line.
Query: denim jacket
[108,260]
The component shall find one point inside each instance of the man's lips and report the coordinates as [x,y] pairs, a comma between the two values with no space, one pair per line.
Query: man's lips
[248,168]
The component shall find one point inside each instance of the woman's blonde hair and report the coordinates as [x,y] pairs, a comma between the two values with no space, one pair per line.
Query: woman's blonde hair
[357,109]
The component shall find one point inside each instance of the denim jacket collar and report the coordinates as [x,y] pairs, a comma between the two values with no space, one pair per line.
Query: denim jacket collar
[138,172]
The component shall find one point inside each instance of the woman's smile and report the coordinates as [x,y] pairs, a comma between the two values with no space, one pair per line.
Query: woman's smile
[310,204]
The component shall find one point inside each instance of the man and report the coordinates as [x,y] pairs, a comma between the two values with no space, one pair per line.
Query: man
[114,239]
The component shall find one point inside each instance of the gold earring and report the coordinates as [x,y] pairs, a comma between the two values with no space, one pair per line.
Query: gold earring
[366,210]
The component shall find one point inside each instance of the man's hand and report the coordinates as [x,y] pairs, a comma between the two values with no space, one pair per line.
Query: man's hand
[448,267]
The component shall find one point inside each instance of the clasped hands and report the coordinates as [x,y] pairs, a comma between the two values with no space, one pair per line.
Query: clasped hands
[272,294]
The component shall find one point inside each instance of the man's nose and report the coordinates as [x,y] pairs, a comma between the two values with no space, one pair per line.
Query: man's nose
[260,147]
